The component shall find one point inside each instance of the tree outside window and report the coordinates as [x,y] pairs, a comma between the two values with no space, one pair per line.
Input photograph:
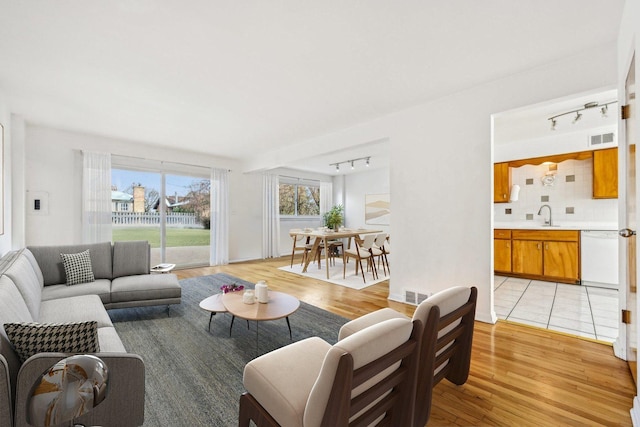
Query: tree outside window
[299,199]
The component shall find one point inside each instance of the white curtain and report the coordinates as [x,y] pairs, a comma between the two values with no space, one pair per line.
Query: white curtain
[326,198]
[96,197]
[219,253]
[270,216]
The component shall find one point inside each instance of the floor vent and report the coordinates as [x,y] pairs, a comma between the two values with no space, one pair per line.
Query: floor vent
[600,139]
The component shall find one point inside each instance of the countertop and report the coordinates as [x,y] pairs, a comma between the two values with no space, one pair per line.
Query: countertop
[561,225]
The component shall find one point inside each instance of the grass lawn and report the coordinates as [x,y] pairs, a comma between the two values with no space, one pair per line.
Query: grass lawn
[175,236]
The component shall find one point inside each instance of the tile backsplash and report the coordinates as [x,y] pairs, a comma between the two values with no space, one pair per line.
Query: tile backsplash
[570,195]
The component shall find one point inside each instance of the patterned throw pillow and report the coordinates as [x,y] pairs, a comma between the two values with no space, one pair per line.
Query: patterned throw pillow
[78,268]
[31,338]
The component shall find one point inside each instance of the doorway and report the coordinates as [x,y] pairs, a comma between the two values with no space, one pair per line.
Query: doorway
[566,186]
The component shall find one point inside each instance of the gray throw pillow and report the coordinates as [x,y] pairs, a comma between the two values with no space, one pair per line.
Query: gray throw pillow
[77,267]
[31,338]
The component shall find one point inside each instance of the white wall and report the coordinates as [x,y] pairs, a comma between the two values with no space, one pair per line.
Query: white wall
[5,178]
[441,173]
[357,186]
[54,165]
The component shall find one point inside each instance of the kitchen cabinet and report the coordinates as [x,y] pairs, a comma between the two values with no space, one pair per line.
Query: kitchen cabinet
[502,251]
[501,182]
[543,254]
[605,174]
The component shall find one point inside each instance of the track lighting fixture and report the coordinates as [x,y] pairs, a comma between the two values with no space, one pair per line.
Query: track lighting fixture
[604,109]
[578,117]
[352,161]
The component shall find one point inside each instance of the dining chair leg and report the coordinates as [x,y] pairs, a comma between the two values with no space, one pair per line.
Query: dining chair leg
[361,269]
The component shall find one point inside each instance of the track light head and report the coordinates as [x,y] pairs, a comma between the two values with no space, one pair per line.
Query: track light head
[604,111]
[578,116]
[352,167]
[553,124]
[367,164]
[337,167]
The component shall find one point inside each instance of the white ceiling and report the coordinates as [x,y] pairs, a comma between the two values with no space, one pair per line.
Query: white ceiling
[236,79]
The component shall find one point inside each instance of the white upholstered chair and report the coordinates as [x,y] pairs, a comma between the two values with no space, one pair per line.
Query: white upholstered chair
[378,250]
[445,348]
[360,252]
[368,378]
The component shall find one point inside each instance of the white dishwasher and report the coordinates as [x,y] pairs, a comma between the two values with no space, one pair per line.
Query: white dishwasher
[599,258]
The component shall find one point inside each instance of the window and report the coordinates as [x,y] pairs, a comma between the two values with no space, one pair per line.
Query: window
[166,204]
[298,198]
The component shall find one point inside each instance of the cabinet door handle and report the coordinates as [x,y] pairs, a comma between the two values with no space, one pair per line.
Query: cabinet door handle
[508,245]
[539,246]
[546,247]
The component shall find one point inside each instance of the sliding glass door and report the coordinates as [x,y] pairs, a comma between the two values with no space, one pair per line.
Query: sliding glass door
[168,209]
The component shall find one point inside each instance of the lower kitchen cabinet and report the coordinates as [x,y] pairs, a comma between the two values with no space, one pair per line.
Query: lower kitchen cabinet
[541,254]
[561,260]
[527,257]
[502,255]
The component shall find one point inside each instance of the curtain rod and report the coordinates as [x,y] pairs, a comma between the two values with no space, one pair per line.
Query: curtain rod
[300,179]
[163,161]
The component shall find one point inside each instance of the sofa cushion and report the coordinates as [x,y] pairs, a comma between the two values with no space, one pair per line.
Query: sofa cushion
[12,309]
[75,309]
[31,338]
[36,268]
[26,280]
[110,341]
[145,287]
[77,267]
[50,263]
[101,288]
[130,258]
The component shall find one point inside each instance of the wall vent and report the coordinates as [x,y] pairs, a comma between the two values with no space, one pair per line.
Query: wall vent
[414,297]
[600,139]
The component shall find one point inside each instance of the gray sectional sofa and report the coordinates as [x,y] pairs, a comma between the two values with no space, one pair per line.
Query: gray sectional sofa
[33,289]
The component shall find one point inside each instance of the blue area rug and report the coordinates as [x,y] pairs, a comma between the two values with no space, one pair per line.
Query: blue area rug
[193,376]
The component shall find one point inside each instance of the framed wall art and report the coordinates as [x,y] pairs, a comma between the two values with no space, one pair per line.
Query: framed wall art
[377,209]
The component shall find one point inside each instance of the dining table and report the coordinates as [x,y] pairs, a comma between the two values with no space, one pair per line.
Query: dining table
[323,235]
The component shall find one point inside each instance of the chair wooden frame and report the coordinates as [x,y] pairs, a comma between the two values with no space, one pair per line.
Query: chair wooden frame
[361,245]
[457,350]
[395,392]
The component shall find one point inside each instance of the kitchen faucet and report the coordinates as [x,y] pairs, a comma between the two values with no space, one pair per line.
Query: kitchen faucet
[550,222]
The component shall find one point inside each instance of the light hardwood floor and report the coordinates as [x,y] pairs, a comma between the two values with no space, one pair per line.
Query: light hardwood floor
[520,376]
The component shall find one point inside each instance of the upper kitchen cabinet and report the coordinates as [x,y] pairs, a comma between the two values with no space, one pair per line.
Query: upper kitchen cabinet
[501,182]
[605,174]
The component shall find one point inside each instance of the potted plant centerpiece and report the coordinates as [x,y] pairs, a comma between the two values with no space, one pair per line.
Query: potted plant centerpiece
[334,217]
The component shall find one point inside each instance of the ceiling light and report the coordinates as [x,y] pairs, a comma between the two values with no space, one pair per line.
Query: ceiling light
[604,109]
[578,116]
[352,161]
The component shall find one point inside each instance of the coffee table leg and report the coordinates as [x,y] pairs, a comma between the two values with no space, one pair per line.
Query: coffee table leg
[211,317]
[289,325]
[231,326]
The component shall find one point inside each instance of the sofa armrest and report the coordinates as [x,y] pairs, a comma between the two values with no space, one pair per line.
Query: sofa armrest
[124,404]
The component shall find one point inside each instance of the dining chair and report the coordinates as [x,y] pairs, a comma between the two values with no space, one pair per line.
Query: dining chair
[360,252]
[445,346]
[378,250]
[366,379]
[300,244]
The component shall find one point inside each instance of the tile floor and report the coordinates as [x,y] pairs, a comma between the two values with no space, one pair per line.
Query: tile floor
[579,310]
